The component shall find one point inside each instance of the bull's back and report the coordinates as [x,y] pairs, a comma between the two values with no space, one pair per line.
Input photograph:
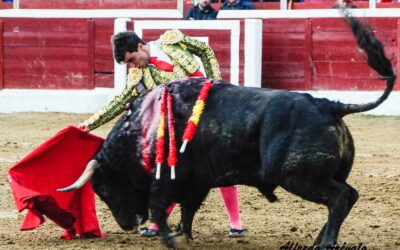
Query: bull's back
[239,123]
[228,134]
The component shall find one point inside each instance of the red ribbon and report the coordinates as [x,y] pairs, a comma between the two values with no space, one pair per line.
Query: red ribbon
[161,64]
[172,143]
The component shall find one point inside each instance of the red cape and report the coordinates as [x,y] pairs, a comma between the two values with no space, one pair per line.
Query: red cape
[57,163]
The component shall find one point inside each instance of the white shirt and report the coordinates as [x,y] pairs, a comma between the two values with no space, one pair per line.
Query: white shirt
[155,51]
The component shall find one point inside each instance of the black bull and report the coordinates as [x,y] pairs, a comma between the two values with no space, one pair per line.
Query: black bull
[249,136]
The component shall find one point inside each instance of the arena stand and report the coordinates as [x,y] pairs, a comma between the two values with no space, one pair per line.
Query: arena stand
[60,59]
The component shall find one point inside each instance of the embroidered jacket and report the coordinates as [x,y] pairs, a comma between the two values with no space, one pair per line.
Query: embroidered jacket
[180,48]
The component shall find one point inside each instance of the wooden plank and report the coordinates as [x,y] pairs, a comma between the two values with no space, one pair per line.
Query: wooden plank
[44,81]
[104,29]
[91,55]
[283,25]
[98,4]
[45,39]
[1,55]
[283,39]
[12,67]
[104,80]
[56,57]
[61,25]
[283,54]
[346,53]
[261,6]
[345,83]
[323,39]
[104,61]
[308,60]
[339,24]
[381,23]
[388,5]
[329,25]
[344,69]
[284,83]
[167,4]
[398,50]
[338,53]
[45,67]
[283,70]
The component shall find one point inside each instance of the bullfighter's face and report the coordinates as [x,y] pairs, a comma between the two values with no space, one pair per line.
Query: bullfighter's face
[127,204]
[138,59]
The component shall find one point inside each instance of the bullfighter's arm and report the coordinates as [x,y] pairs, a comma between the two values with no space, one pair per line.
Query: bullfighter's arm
[206,55]
[116,105]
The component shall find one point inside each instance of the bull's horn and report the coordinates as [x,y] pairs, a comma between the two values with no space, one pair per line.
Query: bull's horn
[83,178]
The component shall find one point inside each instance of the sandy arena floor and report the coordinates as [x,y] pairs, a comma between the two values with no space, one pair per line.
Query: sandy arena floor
[374,221]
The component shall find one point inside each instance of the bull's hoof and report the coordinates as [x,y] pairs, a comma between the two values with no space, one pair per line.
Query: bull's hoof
[271,197]
[182,242]
[327,246]
[178,241]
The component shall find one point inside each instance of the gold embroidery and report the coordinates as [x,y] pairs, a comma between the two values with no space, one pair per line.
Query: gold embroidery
[171,37]
[206,55]
[134,76]
[184,57]
[148,80]
[183,46]
[180,49]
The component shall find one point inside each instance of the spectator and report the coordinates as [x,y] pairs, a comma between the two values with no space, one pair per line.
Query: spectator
[237,5]
[347,4]
[202,11]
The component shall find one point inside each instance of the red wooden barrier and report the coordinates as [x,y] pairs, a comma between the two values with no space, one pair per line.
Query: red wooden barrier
[98,4]
[91,54]
[283,53]
[46,53]
[308,59]
[1,55]
[398,44]
[301,54]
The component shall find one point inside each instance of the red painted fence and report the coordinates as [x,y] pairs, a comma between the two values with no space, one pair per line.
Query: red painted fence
[172,4]
[94,4]
[301,54]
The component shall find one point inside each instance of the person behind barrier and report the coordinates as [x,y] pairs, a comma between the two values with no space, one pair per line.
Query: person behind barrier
[237,5]
[202,11]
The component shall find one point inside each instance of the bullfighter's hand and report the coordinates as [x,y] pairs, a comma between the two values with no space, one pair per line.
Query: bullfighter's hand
[84,127]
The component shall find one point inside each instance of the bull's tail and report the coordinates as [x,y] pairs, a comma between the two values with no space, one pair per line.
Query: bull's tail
[376,59]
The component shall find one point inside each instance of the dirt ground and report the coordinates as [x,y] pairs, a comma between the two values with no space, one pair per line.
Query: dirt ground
[374,222]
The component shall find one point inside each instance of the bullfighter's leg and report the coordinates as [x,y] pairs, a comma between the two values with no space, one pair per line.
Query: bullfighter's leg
[338,197]
[231,201]
[153,230]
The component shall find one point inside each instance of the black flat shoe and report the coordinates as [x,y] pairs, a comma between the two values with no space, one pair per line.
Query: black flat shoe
[236,233]
[148,232]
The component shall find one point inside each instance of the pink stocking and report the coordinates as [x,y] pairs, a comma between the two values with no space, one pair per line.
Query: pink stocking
[169,211]
[231,200]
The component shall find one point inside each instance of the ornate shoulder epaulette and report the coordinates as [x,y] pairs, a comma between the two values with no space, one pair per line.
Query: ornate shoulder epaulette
[134,76]
[171,37]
